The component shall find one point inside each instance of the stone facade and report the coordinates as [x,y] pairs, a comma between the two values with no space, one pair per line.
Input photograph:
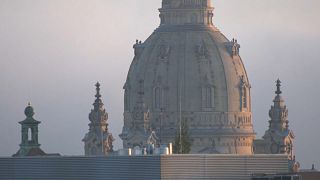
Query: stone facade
[98,141]
[187,69]
[29,135]
[181,12]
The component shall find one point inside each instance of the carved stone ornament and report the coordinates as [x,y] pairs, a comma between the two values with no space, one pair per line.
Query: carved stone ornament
[202,51]
[138,48]
[233,48]
[152,139]
[137,113]
[147,121]
[164,51]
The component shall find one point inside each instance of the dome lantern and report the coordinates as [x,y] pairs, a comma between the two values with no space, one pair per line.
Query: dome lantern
[182,12]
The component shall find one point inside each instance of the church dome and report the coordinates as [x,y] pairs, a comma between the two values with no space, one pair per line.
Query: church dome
[188,70]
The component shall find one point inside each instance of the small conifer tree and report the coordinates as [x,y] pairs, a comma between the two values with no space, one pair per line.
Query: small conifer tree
[182,145]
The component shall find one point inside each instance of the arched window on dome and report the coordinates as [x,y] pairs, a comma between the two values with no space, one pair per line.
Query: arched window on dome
[244,98]
[244,89]
[157,98]
[207,97]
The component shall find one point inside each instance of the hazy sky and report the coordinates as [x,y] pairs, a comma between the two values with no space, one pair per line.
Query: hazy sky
[53,51]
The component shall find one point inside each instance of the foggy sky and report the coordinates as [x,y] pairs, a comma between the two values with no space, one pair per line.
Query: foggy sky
[53,52]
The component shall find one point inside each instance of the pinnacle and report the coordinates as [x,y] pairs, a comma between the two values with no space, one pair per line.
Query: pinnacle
[98,95]
[278,92]
[98,102]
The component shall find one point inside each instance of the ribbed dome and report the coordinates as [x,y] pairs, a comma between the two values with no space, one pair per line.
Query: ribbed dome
[189,70]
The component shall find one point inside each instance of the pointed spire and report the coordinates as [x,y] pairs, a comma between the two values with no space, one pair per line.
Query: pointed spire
[279,138]
[98,102]
[98,141]
[278,92]
[98,95]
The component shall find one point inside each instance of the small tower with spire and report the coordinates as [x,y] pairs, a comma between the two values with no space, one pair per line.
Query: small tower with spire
[98,141]
[279,138]
[29,135]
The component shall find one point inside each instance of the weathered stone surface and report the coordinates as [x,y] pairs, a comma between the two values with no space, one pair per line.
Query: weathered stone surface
[278,139]
[187,69]
[98,141]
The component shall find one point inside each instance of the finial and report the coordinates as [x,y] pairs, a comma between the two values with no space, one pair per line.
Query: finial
[242,81]
[29,112]
[98,102]
[98,95]
[278,92]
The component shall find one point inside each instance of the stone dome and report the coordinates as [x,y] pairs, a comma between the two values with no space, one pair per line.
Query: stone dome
[29,111]
[188,70]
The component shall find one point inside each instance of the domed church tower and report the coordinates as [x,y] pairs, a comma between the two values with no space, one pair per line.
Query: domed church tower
[279,138]
[98,141]
[188,70]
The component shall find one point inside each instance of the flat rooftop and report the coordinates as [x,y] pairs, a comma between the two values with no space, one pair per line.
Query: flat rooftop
[200,166]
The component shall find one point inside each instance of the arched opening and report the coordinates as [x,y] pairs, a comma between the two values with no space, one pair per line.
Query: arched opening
[207,97]
[244,98]
[29,134]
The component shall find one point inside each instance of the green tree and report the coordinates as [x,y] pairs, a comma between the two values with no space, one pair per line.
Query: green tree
[182,145]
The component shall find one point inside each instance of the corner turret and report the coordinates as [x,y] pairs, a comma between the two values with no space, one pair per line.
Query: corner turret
[278,139]
[98,141]
[29,135]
